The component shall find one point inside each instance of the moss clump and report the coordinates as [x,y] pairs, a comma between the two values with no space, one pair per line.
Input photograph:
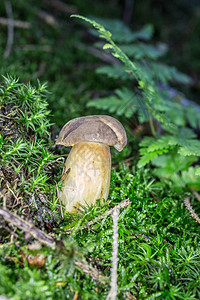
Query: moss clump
[27,166]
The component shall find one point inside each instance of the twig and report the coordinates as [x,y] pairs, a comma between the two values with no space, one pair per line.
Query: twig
[128,11]
[61,211]
[127,162]
[16,23]
[41,70]
[122,204]
[75,296]
[191,210]
[197,196]
[104,56]
[46,17]
[10,29]
[93,272]
[16,198]
[113,286]
[59,5]
[41,236]
[48,241]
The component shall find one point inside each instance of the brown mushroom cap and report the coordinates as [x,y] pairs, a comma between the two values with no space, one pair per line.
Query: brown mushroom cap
[97,128]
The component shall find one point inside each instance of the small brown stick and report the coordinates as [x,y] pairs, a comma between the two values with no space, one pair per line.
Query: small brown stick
[191,210]
[122,204]
[16,198]
[58,195]
[48,241]
[75,296]
[63,7]
[197,196]
[41,70]
[127,162]
[46,17]
[41,236]
[10,29]
[94,273]
[113,285]
[16,23]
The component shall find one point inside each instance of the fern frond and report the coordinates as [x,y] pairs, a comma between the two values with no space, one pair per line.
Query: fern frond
[145,81]
[123,34]
[166,73]
[114,71]
[185,144]
[140,50]
[124,103]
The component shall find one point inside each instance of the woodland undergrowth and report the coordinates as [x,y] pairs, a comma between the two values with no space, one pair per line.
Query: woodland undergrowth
[49,254]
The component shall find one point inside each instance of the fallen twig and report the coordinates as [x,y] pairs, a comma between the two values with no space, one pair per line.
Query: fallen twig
[191,210]
[197,196]
[113,285]
[48,241]
[93,272]
[122,204]
[15,220]
[58,195]
[10,29]
[46,17]
[16,23]
[63,7]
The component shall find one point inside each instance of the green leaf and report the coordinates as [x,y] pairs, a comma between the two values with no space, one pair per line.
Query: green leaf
[114,71]
[124,103]
[122,34]
[141,50]
[197,171]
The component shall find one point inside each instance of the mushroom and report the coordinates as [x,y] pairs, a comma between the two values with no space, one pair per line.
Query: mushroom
[86,174]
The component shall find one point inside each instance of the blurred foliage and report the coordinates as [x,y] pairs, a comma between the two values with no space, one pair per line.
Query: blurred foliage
[171,137]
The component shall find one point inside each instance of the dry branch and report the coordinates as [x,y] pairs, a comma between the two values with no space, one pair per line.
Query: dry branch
[112,295]
[16,23]
[10,29]
[47,18]
[94,273]
[59,5]
[48,241]
[196,194]
[27,227]
[191,210]
[122,204]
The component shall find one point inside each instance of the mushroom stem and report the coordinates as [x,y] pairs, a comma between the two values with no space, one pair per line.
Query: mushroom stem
[86,176]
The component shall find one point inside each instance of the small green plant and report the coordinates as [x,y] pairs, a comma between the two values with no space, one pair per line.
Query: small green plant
[26,161]
[150,100]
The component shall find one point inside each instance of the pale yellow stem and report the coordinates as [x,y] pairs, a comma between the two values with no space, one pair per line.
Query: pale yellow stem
[86,175]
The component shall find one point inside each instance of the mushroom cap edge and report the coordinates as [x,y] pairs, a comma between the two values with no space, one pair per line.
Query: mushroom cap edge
[94,128]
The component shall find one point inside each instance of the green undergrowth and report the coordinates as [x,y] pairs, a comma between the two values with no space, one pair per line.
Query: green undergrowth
[29,168]
[158,249]
[158,240]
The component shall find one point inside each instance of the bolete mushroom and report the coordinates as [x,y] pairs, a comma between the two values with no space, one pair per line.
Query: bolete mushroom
[86,175]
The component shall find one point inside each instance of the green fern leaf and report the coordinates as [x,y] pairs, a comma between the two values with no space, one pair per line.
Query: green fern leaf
[146,156]
[197,171]
[124,103]
[190,177]
[122,34]
[166,73]
[114,71]
[140,50]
